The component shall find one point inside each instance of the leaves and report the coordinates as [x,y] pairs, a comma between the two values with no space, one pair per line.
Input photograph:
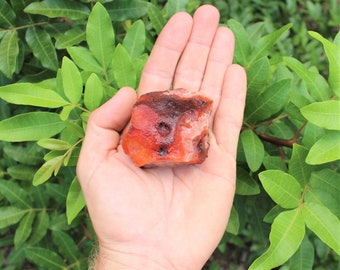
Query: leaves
[72,81]
[100,35]
[323,223]
[283,188]
[41,45]
[333,54]
[45,258]
[325,150]
[134,41]
[75,201]
[60,8]
[10,215]
[253,149]
[94,92]
[323,114]
[9,52]
[30,126]
[126,9]
[31,94]
[288,230]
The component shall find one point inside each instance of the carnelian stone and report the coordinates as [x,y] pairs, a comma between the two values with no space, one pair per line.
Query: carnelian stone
[168,128]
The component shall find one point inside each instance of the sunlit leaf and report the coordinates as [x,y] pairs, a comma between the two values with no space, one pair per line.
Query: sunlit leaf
[53,144]
[31,94]
[94,92]
[75,201]
[41,45]
[297,165]
[100,35]
[333,54]
[47,169]
[122,68]
[283,188]
[84,59]
[317,86]
[288,230]
[134,41]
[326,149]
[323,223]
[60,8]
[72,81]
[30,126]
[323,114]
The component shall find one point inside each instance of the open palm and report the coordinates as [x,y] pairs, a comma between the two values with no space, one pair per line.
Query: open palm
[171,218]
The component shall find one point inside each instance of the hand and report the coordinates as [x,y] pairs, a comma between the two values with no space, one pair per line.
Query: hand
[165,218]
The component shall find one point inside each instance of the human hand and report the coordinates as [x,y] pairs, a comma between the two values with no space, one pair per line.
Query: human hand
[167,218]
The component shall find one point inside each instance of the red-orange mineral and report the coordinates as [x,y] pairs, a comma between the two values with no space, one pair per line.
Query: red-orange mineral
[168,128]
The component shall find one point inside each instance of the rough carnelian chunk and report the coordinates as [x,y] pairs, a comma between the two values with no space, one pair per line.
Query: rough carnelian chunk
[168,128]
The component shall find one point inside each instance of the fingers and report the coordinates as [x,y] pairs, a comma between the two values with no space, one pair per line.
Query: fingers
[159,70]
[220,57]
[229,114]
[104,125]
[192,64]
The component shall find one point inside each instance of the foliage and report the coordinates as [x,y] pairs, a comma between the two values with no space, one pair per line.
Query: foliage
[60,60]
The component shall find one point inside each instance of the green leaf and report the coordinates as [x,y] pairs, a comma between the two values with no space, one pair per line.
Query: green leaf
[288,230]
[16,195]
[233,223]
[269,102]
[53,144]
[94,92]
[7,15]
[9,52]
[100,35]
[134,41]
[72,81]
[326,149]
[245,184]
[84,59]
[60,8]
[297,165]
[283,188]
[258,75]
[75,201]
[122,68]
[24,229]
[242,42]
[253,149]
[29,153]
[174,6]
[323,114]
[45,258]
[66,245]
[30,126]
[21,172]
[303,259]
[71,37]
[156,17]
[41,45]
[31,94]
[10,215]
[40,226]
[323,223]
[265,44]
[317,86]
[126,9]
[333,54]
[47,169]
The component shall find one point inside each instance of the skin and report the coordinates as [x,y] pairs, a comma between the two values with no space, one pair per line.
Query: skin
[165,218]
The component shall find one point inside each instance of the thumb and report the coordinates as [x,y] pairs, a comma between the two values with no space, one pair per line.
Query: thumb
[104,125]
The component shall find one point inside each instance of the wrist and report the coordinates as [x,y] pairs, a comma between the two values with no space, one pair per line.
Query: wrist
[109,259]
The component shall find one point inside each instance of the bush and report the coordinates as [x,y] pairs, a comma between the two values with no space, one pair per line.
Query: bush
[59,60]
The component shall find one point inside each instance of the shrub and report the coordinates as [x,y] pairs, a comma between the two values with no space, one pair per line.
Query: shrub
[55,69]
